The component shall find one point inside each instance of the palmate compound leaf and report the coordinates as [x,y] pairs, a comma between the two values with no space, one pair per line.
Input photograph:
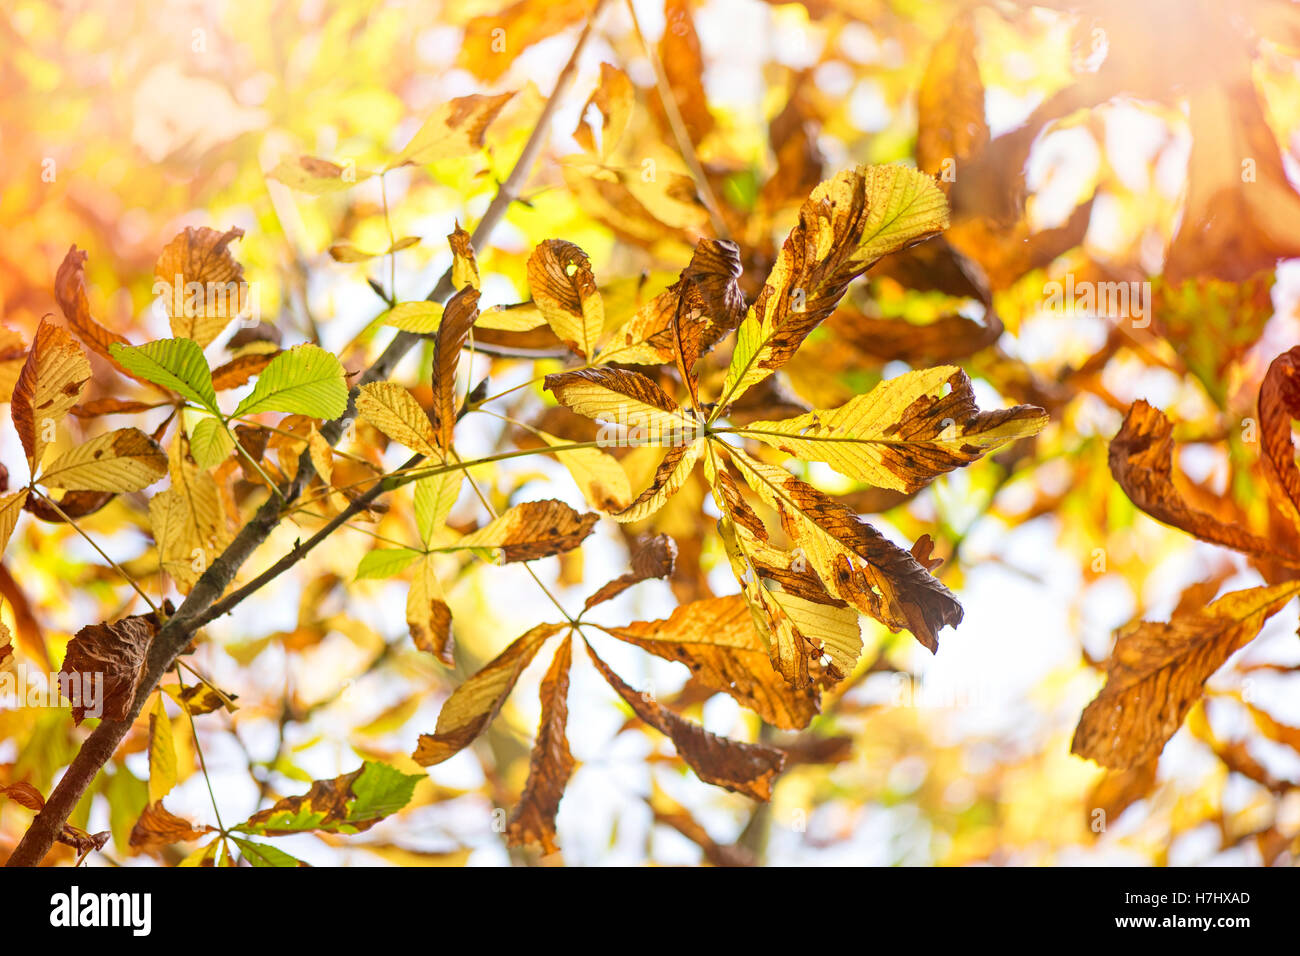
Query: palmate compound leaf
[846,224]
[1141,460]
[1158,671]
[118,461]
[533,529]
[550,764]
[476,702]
[904,432]
[740,767]
[49,384]
[349,803]
[175,364]
[716,638]
[304,380]
[564,289]
[201,283]
[854,561]
[455,129]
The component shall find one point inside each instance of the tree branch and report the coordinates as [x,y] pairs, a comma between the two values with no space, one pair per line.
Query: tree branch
[176,633]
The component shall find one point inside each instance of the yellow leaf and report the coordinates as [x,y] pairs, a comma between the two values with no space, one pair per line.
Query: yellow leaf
[201,283]
[395,412]
[564,289]
[48,385]
[455,130]
[162,752]
[904,432]
[599,476]
[120,461]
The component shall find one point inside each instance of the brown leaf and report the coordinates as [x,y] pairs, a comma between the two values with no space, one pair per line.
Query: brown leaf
[946,339]
[48,386]
[550,765]
[464,266]
[492,42]
[112,406]
[653,558]
[74,505]
[679,52]
[70,290]
[1118,790]
[730,764]
[457,321]
[199,258]
[476,702]
[717,640]
[1158,671]
[105,660]
[950,105]
[159,827]
[25,795]
[1141,459]
[240,369]
[564,289]
[1279,403]
[533,529]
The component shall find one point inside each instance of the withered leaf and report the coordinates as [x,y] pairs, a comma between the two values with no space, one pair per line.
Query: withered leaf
[464,266]
[677,464]
[476,702]
[533,529]
[240,369]
[70,290]
[493,41]
[740,767]
[550,764]
[202,284]
[904,432]
[350,803]
[848,223]
[159,827]
[950,104]
[104,661]
[613,101]
[397,413]
[48,386]
[652,558]
[24,794]
[455,129]
[118,461]
[1158,671]
[428,616]
[457,320]
[564,289]
[1279,403]
[854,561]
[628,399]
[717,640]
[1141,459]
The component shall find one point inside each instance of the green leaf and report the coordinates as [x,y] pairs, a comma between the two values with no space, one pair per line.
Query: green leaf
[385,562]
[176,364]
[210,442]
[434,498]
[381,790]
[262,854]
[305,380]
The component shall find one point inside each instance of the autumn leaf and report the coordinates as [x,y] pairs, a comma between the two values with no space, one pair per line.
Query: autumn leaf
[434,498]
[477,701]
[717,640]
[11,506]
[457,322]
[104,662]
[853,560]
[1158,671]
[534,529]
[493,41]
[612,100]
[950,105]
[48,386]
[743,768]
[464,265]
[187,518]
[350,803]
[652,558]
[1279,403]
[670,475]
[628,399]
[1141,459]
[421,317]
[564,289]
[455,129]
[395,411]
[162,753]
[904,432]
[428,616]
[319,177]
[201,284]
[119,461]
[848,223]
[70,290]
[550,765]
